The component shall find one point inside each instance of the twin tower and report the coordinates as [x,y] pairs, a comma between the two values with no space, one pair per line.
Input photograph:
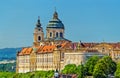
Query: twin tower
[54,32]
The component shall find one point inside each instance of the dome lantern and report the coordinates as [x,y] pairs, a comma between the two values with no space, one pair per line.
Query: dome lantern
[55,15]
[55,22]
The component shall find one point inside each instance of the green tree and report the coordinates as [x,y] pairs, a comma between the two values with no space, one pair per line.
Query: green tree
[90,64]
[117,73]
[37,74]
[6,74]
[50,73]
[80,71]
[104,67]
[10,67]
[70,69]
[99,70]
[110,64]
[32,75]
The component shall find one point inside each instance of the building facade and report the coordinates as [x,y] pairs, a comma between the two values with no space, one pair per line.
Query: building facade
[54,51]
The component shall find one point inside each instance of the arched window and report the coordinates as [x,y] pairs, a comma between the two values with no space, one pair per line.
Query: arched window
[61,34]
[39,38]
[50,34]
[38,29]
[56,34]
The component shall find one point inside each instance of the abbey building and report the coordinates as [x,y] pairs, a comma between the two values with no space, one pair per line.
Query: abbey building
[53,51]
[54,32]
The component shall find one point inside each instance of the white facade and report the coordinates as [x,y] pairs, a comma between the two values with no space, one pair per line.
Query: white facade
[23,63]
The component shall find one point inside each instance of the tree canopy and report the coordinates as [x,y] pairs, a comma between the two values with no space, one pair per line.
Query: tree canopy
[37,74]
[117,73]
[81,71]
[90,64]
[104,67]
[70,69]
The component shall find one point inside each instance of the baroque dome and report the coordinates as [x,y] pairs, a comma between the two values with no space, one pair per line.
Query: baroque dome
[55,22]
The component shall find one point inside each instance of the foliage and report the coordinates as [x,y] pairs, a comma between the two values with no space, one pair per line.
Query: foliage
[37,74]
[73,69]
[104,67]
[9,67]
[111,65]
[101,68]
[117,73]
[99,71]
[90,64]
[80,71]
[6,74]
[70,69]
[95,66]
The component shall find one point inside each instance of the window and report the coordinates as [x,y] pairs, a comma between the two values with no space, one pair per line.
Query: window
[56,34]
[39,38]
[50,34]
[38,29]
[62,56]
[61,34]
[103,49]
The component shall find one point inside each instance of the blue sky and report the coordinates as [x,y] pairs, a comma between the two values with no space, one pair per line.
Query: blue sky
[85,20]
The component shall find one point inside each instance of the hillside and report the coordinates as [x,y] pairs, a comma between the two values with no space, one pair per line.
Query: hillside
[8,53]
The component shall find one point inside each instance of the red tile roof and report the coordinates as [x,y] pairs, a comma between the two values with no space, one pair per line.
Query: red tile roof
[40,49]
[25,51]
[50,48]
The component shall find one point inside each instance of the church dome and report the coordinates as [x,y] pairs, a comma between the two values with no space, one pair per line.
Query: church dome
[55,22]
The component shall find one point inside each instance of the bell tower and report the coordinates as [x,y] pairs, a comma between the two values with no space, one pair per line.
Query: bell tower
[38,34]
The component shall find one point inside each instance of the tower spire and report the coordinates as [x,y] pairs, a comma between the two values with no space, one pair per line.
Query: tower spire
[38,22]
[55,15]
